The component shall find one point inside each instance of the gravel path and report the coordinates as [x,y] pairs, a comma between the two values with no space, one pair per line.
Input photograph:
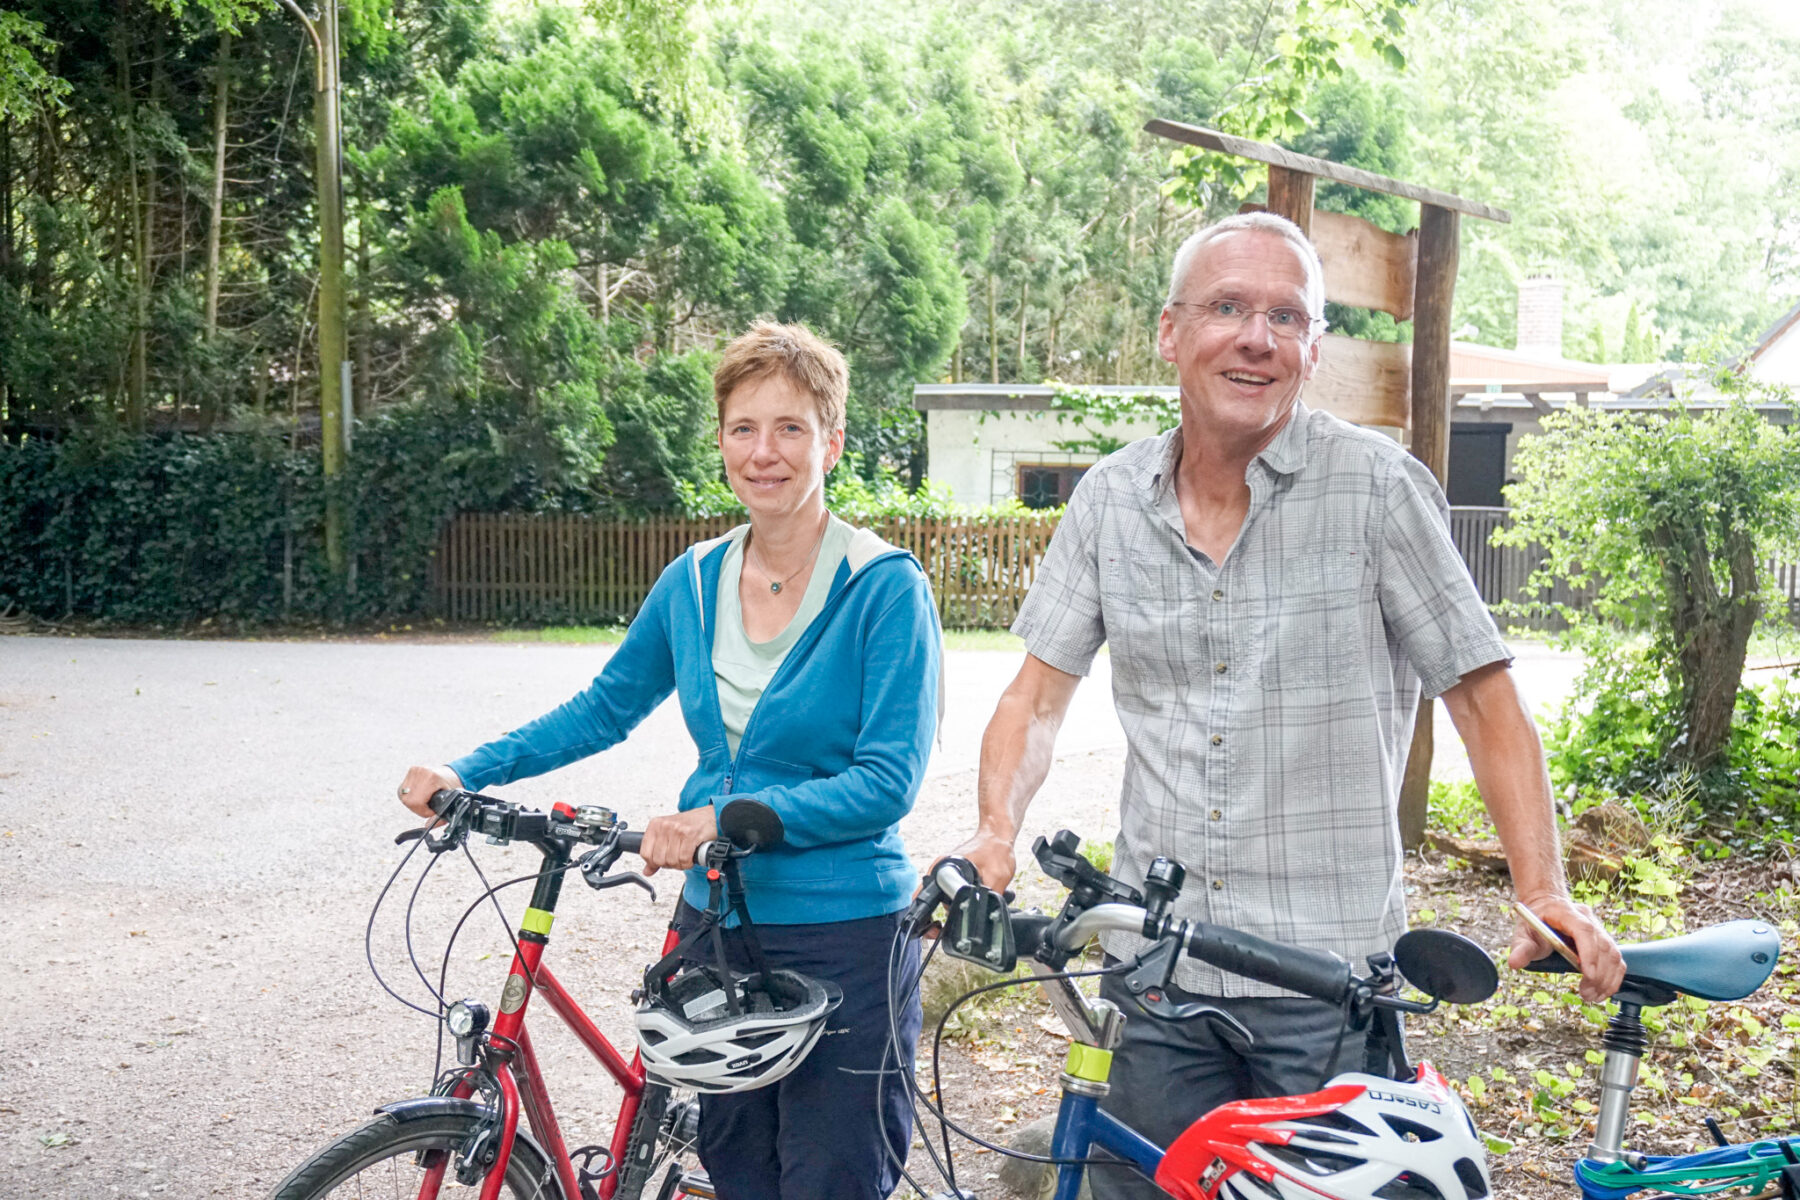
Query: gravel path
[191,836]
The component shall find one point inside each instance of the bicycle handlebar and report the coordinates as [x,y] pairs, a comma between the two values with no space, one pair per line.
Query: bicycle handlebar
[1313,973]
[563,828]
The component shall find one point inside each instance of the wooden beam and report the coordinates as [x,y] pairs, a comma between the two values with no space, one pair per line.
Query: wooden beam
[1275,156]
[1291,196]
[1365,383]
[1433,291]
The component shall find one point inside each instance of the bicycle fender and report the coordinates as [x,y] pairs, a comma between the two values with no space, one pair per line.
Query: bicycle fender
[421,1107]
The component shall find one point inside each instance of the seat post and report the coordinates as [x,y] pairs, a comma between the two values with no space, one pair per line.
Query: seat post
[1625,1041]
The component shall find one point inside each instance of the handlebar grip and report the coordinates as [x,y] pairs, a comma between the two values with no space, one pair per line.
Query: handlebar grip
[1310,972]
[631,841]
[441,799]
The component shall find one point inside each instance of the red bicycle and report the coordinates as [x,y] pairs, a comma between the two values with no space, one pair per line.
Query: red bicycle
[465,1139]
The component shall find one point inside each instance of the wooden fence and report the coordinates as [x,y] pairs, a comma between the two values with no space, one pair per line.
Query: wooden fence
[581,569]
[1500,572]
[561,567]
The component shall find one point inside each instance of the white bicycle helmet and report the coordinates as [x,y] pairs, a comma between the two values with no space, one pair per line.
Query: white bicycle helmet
[689,1036]
[1361,1138]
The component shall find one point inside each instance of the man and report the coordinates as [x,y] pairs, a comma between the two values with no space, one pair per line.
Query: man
[1278,589]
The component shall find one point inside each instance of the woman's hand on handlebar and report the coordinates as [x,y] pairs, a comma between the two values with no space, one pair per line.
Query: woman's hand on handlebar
[422,783]
[673,840]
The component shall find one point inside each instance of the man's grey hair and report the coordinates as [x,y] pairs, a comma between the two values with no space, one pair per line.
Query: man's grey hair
[1254,222]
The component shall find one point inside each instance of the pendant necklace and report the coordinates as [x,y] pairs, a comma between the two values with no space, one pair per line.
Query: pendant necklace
[775,585]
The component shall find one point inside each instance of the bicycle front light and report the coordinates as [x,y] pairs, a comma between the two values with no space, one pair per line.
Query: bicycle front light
[467,1020]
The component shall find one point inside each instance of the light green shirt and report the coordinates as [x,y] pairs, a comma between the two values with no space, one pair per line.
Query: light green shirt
[742,668]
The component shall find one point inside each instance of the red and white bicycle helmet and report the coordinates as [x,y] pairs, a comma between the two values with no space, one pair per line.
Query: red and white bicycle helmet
[689,1036]
[1361,1138]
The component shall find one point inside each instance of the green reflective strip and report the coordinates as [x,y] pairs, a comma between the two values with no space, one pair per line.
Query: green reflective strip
[537,921]
[1089,1062]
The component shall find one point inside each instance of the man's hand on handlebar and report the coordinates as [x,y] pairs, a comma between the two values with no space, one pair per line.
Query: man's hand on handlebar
[673,840]
[993,856]
[422,783]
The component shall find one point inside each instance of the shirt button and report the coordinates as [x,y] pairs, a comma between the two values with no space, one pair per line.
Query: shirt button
[1217,594]
[1218,885]
[1216,814]
[1217,740]
[1219,667]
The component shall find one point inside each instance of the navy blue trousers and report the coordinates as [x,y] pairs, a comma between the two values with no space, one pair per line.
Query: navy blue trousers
[819,1131]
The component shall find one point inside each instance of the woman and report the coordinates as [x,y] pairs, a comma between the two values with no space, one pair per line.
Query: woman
[805,654]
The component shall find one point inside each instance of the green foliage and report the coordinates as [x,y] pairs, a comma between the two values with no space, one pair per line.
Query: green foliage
[1672,521]
[1092,411]
[24,83]
[1281,84]
[1616,734]
[1456,808]
[862,496]
[228,526]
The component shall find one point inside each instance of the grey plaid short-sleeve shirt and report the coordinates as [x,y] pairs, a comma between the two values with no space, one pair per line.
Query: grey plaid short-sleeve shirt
[1267,701]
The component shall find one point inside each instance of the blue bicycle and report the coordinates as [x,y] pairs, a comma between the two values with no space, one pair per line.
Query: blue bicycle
[1400,1135]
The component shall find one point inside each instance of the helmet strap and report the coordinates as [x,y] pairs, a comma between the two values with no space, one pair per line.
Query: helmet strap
[725,894]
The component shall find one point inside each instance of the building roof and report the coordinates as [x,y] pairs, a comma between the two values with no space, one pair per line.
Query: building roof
[1471,362]
[1785,324]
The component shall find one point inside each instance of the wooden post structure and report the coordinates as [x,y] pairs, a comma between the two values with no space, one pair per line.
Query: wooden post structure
[1291,196]
[1375,383]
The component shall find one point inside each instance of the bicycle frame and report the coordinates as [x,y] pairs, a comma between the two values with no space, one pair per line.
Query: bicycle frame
[514,1062]
[1080,1122]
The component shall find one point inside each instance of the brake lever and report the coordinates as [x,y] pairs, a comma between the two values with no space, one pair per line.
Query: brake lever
[610,881]
[1149,981]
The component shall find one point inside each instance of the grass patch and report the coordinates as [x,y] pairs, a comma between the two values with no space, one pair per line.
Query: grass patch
[603,635]
[983,639]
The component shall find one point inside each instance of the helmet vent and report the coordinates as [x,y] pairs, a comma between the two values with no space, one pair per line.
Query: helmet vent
[1470,1174]
[1412,1131]
[1321,1162]
[1407,1186]
[1337,1120]
[699,1056]
[1243,1182]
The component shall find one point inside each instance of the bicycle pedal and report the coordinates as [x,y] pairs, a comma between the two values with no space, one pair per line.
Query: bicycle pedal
[586,1176]
[695,1185]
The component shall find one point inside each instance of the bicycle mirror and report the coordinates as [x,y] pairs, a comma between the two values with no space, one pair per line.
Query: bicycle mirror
[1445,965]
[750,824]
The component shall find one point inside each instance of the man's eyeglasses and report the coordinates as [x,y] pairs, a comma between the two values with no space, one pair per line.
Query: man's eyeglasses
[1287,324]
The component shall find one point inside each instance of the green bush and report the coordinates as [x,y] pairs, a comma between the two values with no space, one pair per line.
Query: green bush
[177,529]
[1615,734]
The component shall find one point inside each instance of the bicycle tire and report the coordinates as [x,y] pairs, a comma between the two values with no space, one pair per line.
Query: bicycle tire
[652,1153]
[381,1154]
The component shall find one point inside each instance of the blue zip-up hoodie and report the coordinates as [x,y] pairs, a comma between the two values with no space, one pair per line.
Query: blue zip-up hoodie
[837,744]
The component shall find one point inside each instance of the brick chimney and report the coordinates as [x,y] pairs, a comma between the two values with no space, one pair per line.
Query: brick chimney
[1540,315]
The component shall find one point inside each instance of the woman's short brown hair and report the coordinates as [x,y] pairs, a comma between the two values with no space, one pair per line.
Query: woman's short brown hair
[796,354]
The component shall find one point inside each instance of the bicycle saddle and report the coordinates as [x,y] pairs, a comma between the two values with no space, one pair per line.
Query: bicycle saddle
[1720,962]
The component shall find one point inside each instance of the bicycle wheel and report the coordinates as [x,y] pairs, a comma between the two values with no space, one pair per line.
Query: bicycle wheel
[389,1157]
[661,1150]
